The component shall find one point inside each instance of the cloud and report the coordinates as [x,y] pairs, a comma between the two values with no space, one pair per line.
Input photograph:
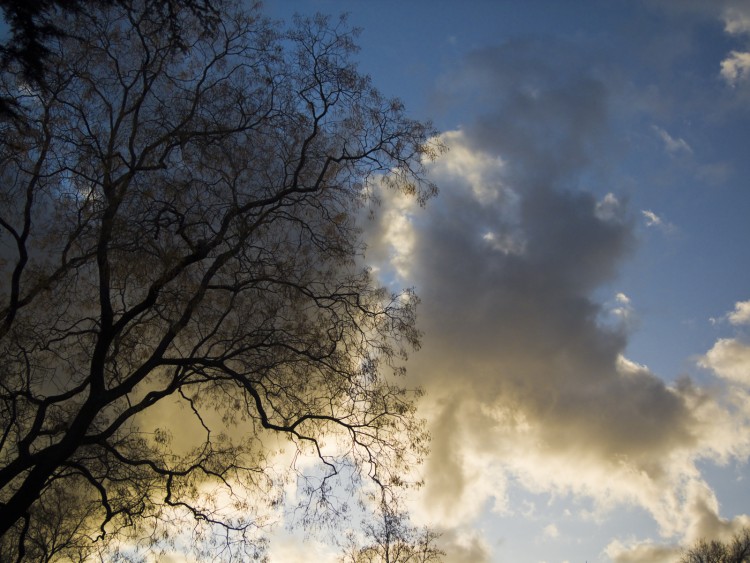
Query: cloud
[729,358]
[551,531]
[735,69]
[465,545]
[735,16]
[655,221]
[741,313]
[623,312]
[739,316]
[672,145]
[641,552]
[704,522]
[609,208]
[526,384]
[736,19]
[652,219]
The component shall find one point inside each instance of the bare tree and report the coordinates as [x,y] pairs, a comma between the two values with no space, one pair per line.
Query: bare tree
[736,550]
[389,537]
[181,283]
[33,23]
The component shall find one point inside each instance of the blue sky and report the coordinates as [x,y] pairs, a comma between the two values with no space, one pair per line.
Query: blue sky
[584,272]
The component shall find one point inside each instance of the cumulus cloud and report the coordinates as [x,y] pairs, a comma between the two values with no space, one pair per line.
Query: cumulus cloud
[741,313]
[729,358]
[739,316]
[735,69]
[525,383]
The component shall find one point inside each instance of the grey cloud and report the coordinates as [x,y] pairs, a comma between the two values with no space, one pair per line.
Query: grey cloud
[552,106]
[525,325]
[514,340]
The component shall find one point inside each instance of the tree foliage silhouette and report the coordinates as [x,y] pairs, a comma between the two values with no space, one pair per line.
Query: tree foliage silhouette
[33,23]
[182,290]
[389,537]
[736,550]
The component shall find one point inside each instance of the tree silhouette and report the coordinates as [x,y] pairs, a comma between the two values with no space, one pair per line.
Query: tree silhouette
[389,537]
[736,550]
[182,290]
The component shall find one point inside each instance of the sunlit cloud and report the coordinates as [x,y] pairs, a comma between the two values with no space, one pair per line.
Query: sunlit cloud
[529,381]
[741,313]
[735,69]
[635,551]
[525,385]
[739,316]
[729,358]
[462,545]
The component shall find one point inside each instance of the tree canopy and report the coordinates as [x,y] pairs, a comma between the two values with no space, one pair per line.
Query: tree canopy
[736,550]
[183,295]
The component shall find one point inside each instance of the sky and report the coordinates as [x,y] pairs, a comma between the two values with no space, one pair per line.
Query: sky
[584,272]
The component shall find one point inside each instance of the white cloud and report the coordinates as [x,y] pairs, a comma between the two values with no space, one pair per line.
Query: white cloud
[739,316]
[622,310]
[673,145]
[741,313]
[729,358]
[480,170]
[652,219]
[736,68]
[657,222]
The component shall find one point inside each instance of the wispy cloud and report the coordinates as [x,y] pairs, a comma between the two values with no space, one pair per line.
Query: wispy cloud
[736,18]
[655,221]
[671,144]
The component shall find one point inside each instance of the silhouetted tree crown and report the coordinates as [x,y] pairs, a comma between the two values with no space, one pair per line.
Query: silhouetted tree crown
[182,293]
[736,550]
